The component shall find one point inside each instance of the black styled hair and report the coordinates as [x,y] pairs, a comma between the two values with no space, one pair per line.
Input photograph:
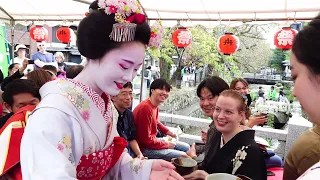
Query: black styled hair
[19,86]
[50,68]
[11,66]
[160,84]
[73,71]
[260,87]
[149,67]
[127,85]
[93,39]
[272,87]
[215,85]
[306,46]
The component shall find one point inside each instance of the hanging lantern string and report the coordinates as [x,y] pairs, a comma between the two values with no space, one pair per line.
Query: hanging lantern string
[220,26]
[159,15]
[294,17]
[255,17]
[189,20]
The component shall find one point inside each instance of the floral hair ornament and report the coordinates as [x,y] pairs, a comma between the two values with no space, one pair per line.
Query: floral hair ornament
[155,39]
[127,15]
[156,35]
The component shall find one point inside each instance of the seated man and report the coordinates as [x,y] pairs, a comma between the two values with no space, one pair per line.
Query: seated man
[125,125]
[17,94]
[21,97]
[146,118]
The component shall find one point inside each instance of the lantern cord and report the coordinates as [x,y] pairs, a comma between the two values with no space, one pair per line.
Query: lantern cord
[159,15]
[189,20]
[255,16]
[188,16]
[294,17]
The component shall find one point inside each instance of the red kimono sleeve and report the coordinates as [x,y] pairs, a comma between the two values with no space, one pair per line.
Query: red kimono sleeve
[146,125]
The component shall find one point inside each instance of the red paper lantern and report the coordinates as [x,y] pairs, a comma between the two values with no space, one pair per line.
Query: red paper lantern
[38,33]
[64,34]
[283,39]
[181,38]
[228,43]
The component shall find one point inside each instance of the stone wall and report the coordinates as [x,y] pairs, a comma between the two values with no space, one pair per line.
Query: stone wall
[179,99]
[197,113]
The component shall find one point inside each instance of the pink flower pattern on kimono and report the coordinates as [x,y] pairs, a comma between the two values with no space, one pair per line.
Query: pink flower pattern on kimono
[76,97]
[85,114]
[60,147]
[64,146]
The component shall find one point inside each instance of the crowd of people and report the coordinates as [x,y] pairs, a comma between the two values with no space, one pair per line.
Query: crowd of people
[81,127]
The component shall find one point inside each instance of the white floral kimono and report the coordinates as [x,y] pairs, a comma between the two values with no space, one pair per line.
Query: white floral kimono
[72,134]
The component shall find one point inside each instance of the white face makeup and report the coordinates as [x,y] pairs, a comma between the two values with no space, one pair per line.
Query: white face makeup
[117,67]
[306,88]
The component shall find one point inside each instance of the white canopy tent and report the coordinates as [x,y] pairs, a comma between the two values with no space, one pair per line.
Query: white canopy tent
[233,12]
[53,12]
[49,12]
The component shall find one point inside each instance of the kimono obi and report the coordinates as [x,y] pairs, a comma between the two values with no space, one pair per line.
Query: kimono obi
[96,165]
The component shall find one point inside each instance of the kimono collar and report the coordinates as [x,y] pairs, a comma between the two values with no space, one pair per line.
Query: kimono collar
[102,102]
[245,135]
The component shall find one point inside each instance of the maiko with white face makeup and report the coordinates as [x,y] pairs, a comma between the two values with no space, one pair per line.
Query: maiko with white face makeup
[79,116]
[305,71]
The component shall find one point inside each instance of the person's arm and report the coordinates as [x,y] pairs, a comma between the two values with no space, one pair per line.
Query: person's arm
[145,122]
[133,135]
[51,150]
[39,63]
[135,148]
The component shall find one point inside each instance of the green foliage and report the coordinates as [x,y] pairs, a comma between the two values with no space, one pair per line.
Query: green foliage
[167,49]
[154,53]
[253,95]
[165,70]
[277,58]
[203,47]
[254,52]
[270,120]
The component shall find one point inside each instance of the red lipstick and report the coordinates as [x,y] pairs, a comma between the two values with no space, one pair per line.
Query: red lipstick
[119,86]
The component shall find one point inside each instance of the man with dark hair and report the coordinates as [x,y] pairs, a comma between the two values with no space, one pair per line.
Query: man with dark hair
[20,97]
[125,126]
[208,91]
[51,69]
[272,94]
[73,71]
[17,94]
[146,117]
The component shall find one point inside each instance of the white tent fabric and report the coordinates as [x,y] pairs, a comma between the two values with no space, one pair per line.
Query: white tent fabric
[50,12]
[231,9]
[206,12]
